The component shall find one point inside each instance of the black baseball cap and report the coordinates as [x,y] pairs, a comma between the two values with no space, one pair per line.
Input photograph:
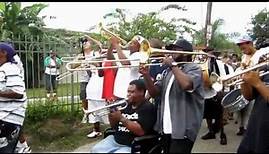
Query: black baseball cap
[181,43]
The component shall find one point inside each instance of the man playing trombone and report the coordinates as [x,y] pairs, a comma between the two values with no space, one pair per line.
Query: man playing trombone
[254,87]
[91,89]
[137,119]
[129,73]
[182,99]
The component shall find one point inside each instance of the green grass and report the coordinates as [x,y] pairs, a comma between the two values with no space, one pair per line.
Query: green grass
[62,90]
[50,127]
[58,134]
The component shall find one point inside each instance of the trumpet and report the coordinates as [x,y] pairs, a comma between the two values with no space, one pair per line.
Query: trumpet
[104,110]
[218,82]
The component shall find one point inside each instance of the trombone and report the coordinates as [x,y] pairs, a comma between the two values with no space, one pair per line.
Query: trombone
[145,59]
[218,82]
[124,43]
[78,58]
[86,62]
[104,110]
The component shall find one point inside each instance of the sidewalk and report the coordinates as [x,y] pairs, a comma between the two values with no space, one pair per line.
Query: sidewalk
[200,146]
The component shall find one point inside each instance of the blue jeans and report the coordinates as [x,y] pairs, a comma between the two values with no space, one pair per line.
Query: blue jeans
[109,145]
[51,83]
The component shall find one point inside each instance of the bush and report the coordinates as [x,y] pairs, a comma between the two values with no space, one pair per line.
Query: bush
[40,111]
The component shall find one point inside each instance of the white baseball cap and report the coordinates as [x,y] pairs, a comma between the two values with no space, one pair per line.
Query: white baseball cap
[243,39]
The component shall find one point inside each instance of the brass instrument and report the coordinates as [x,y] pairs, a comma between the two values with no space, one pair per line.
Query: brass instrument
[146,48]
[105,31]
[68,65]
[78,58]
[146,51]
[233,79]
[104,110]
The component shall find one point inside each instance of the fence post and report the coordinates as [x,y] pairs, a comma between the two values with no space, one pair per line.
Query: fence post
[72,93]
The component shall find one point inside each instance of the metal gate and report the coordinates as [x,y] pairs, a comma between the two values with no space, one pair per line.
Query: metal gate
[32,51]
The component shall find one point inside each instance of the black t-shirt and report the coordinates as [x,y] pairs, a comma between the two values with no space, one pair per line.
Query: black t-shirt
[256,138]
[145,115]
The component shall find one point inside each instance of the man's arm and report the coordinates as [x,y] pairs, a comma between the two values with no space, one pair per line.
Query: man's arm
[152,89]
[252,78]
[246,91]
[184,81]
[10,94]
[115,43]
[263,90]
[116,117]
[110,55]
[133,126]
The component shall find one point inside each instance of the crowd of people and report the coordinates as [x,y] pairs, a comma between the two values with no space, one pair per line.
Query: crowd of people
[177,92]
[170,99]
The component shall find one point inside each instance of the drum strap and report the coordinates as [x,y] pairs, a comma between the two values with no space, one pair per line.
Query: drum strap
[214,66]
[226,69]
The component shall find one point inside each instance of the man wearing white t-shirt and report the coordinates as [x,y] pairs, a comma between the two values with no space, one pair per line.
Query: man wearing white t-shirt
[13,99]
[180,113]
[127,74]
[250,57]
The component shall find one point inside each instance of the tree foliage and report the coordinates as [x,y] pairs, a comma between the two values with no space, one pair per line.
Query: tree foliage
[16,20]
[150,25]
[219,41]
[260,29]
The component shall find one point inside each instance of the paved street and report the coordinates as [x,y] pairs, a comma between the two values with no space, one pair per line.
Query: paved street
[203,146]
[213,145]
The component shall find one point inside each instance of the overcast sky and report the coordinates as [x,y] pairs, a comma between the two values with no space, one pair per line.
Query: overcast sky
[79,16]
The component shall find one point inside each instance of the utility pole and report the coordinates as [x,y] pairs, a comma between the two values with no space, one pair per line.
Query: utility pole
[208,26]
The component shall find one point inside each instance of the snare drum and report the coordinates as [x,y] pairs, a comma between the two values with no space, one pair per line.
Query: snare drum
[234,101]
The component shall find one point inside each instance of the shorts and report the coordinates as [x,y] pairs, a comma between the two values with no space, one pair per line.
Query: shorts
[9,136]
[93,118]
[83,86]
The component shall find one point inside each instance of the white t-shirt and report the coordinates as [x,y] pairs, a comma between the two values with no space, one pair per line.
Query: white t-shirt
[52,71]
[94,87]
[84,77]
[126,75]
[19,64]
[167,123]
[12,110]
[255,58]
[259,53]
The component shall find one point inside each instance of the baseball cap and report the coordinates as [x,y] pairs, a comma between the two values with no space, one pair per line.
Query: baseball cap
[181,43]
[243,39]
[10,51]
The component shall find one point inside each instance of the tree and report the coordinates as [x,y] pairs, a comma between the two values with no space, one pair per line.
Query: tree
[16,20]
[150,25]
[260,29]
[21,26]
[219,41]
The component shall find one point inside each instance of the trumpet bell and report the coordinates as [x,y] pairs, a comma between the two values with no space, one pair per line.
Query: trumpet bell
[145,47]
